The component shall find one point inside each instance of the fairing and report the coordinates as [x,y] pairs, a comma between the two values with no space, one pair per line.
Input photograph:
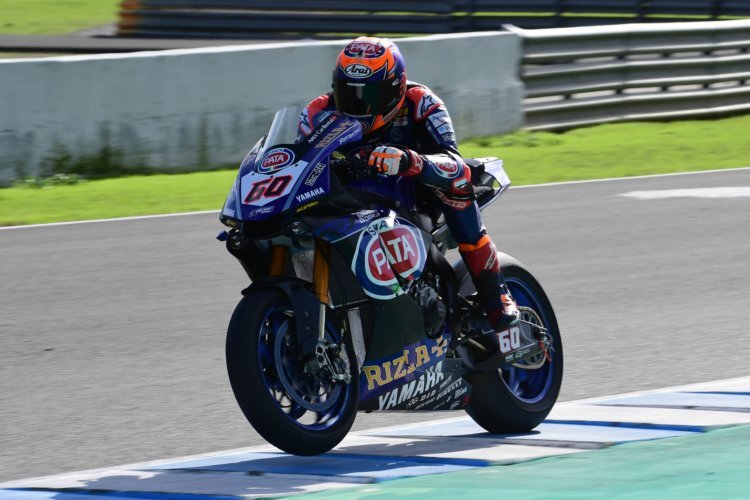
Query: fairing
[279,177]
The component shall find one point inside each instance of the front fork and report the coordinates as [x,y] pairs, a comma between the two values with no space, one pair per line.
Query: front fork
[321,273]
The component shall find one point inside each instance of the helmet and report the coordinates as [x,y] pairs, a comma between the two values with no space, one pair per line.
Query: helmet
[369,81]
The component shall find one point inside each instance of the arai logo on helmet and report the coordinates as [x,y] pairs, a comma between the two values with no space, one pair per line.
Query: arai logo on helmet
[275,160]
[364,49]
[357,71]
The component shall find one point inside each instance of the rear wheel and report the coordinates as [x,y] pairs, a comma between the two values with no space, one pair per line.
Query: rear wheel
[299,412]
[517,399]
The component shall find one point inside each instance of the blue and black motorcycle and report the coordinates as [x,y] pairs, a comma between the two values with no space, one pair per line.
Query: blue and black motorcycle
[353,305]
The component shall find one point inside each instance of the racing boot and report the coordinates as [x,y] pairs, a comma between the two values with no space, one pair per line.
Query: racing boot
[493,293]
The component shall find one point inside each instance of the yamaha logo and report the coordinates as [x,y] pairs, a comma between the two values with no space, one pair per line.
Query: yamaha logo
[357,71]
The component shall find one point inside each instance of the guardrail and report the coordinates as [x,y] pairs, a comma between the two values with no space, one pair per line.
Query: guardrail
[327,18]
[577,77]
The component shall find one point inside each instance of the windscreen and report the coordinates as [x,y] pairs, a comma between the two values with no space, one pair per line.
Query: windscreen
[283,128]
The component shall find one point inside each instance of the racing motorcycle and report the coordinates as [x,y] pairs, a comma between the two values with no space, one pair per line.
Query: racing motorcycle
[354,304]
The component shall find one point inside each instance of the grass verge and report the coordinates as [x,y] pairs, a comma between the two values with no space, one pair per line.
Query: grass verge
[617,150]
[54,17]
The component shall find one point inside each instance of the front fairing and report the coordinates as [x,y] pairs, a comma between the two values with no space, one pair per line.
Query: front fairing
[276,178]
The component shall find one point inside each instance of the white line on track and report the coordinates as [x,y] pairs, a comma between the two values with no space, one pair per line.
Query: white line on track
[612,179]
[380,431]
[115,219]
[550,184]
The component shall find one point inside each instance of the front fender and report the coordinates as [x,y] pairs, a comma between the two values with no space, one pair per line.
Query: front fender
[305,305]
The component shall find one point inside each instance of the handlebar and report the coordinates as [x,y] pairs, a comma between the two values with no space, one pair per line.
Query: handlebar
[353,168]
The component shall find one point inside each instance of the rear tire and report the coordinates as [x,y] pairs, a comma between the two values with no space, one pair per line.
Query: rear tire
[293,411]
[514,400]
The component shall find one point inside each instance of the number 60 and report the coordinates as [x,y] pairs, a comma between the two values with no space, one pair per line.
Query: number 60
[509,339]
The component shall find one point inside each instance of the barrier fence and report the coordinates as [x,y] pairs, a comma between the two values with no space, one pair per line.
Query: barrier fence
[203,108]
[577,77]
[198,109]
[333,18]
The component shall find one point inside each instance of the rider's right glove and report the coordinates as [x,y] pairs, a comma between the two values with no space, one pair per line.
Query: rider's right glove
[389,160]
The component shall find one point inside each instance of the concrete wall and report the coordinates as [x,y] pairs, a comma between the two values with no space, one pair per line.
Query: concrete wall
[203,108]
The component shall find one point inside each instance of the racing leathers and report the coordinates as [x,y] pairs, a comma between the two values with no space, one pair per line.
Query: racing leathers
[422,138]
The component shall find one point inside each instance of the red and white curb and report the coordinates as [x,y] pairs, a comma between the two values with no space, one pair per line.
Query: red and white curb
[424,448]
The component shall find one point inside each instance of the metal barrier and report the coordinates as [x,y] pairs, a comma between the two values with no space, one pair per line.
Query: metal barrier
[577,77]
[334,18]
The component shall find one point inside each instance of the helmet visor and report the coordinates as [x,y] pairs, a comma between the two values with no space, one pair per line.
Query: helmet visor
[360,99]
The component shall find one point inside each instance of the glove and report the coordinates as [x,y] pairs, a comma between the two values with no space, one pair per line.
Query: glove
[388,160]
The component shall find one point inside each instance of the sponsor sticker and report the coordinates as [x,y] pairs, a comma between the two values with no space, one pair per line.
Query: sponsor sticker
[449,138]
[451,202]
[385,248]
[316,171]
[440,119]
[417,391]
[309,194]
[348,137]
[276,159]
[321,128]
[413,357]
[366,215]
[306,206]
[447,168]
[357,71]
[364,49]
[332,135]
[427,104]
[262,210]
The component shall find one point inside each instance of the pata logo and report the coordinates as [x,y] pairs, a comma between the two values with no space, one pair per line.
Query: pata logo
[275,160]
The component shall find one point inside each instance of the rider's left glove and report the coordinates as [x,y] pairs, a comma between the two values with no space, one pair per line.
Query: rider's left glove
[388,160]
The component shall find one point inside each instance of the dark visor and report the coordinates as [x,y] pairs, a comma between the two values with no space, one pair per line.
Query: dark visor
[362,99]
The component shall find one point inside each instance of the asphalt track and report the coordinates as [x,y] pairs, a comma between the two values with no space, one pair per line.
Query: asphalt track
[111,334]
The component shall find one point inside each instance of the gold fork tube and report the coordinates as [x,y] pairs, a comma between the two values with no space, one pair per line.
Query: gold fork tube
[321,268]
[278,260]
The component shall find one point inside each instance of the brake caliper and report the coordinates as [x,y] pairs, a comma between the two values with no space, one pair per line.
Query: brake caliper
[332,360]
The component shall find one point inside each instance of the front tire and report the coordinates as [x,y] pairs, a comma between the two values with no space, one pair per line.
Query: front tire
[297,412]
[514,400]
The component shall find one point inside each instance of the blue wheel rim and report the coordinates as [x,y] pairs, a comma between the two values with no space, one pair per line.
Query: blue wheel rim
[309,402]
[529,386]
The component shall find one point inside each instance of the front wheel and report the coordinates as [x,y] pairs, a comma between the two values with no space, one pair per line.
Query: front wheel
[298,412]
[516,399]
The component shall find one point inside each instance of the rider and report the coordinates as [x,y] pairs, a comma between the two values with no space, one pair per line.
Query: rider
[407,132]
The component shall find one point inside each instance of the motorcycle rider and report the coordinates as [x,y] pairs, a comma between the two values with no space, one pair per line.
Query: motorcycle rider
[408,132]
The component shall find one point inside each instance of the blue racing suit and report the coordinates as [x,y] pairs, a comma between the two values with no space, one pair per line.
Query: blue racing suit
[423,126]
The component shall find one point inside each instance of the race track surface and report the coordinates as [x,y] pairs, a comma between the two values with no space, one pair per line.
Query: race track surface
[112,333]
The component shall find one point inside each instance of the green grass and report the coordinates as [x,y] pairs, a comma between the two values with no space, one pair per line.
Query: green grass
[619,150]
[125,196]
[530,158]
[54,17]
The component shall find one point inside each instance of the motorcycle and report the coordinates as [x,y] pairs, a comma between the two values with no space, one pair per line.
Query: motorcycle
[354,305]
